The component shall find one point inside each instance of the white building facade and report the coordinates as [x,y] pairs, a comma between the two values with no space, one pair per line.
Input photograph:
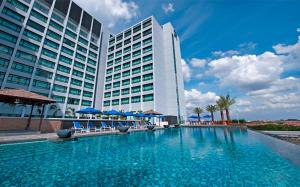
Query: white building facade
[143,70]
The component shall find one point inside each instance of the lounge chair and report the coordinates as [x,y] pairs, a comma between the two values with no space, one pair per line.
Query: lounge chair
[104,126]
[92,127]
[77,127]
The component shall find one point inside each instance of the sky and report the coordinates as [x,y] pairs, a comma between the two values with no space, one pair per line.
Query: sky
[249,49]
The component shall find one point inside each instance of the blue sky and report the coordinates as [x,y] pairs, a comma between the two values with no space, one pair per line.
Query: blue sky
[250,49]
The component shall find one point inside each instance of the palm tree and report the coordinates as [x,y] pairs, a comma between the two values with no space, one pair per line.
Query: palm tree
[70,112]
[221,108]
[198,111]
[228,101]
[212,109]
[55,110]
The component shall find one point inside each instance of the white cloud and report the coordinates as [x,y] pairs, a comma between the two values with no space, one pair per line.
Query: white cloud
[198,63]
[248,72]
[195,98]
[185,70]
[298,30]
[168,8]
[225,53]
[244,48]
[110,11]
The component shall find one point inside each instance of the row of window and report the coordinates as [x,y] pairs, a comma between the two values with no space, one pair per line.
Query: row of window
[127,81]
[125,91]
[133,54]
[129,32]
[127,73]
[134,99]
[73,101]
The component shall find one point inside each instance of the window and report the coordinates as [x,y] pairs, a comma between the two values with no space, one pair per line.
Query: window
[51,44]
[107,94]
[40,7]
[38,16]
[69,42]
[125,91]
[29,45]
[83,33]
[147,32]
[79,65]
[25,56]
[72,25]
[111,48]
[127,49]
[56,25]
[58,99]
[146,23]
[118,68]
[110,63]
[136,37]
[109,71]
[136,80]
[65,59]
[116,84]
[118,60]
[77,73]
[86,103]
[109,78]
[18,79]
[147,87]
[148,97]
[4,62]
[75,91]
[67,51]
[135,99]
[73,101]
[125,101]
[126,57]
[76,82]
[35,26]
[125,82]
[53,35]
[147,58]
[90,69]
[136,89]
[136,28]
[63,68]
[147,41]
[115,102]
[136,70]
[88,85]
[43,73]
[57,17]
[118,53]
[117,76]
[13,14]
[46,63]
[71,34]
[111,56]
[119,37]
[32,35]
[83,41]
[49,53]
[148,77]
[8,37]
[147,67]
[22,67]
[126,73]
[116,93]
[126,65]
[18,5]
[80,57]
[147,49]
[136,45]
[40,84]
[81,49]
[107,86]
[87,94]
[62,78]
[9,25]
[111,41]
[93,47]
[136,62]
[90,77]
[128,41]
[136,53]
[59,88]
[6,50]
[106,103]
[127,33]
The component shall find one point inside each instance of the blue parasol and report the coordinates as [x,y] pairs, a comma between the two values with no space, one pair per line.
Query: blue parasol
[113,113]
[89,111]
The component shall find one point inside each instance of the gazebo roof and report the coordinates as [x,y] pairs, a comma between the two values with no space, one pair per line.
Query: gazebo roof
[23,97]
[152,112]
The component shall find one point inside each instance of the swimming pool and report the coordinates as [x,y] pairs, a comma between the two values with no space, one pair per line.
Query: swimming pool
[184,156]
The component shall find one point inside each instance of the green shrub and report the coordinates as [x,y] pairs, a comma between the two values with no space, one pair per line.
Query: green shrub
[275,127]
[238,121]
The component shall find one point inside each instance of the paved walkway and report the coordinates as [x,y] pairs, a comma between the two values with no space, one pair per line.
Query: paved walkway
[34,136]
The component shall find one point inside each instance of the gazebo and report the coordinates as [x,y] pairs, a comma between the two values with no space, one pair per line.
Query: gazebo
[20,96]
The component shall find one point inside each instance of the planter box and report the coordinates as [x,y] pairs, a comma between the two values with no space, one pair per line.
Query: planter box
[150,127]
[123,129]
[177,126]
[166,126]
[65,133]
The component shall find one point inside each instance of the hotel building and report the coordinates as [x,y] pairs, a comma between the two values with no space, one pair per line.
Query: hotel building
[143,70]
[53,48]
[57,49]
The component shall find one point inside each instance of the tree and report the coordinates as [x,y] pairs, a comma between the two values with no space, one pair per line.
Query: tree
[221,107]
[70,112]
[212,109]
[228,101]
[55,110]
[198,111]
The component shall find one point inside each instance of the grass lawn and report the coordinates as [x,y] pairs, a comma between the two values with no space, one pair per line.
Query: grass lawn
[275,127]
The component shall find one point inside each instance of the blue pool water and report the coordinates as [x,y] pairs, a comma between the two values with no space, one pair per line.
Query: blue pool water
[172,157]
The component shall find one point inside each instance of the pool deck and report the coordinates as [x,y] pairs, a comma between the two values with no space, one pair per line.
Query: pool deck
[289,136]
[36,136]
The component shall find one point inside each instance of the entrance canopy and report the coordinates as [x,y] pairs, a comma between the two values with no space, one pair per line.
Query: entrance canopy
[20,96]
